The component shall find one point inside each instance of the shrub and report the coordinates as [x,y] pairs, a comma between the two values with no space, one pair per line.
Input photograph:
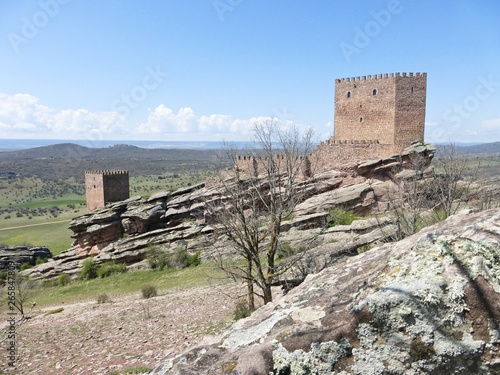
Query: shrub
[103,298]
[25,266]
[182,259]
[55,311]
[89,269]
[285,250]
[63,279]
[337,216]
[138,370]
[3,277]
[110,268]
[149,291]
[157,258]
[241,309]
[41,260]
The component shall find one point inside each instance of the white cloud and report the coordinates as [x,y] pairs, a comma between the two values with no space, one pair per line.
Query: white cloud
[22,113]
[163,120]
[22,116]
[493,123]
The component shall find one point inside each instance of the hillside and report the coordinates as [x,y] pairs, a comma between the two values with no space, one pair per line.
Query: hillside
[68,160]
[485,148]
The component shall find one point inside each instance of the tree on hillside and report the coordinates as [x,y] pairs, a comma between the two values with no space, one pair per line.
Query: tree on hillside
[454,175]
[411,197]
[423,196]
[254,203]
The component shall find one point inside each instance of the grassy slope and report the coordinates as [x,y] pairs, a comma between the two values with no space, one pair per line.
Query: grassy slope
[128,283]
[53,233]
[34,194]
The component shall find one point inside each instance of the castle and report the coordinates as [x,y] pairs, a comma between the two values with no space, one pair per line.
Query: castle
[375,117]
[105,186]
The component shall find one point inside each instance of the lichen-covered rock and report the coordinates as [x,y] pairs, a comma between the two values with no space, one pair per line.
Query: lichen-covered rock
[429,304]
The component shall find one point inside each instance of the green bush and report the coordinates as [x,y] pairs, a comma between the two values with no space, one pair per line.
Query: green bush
[241,309]
[3,277]
[149,291]
[337,216]
[285,250]
[41,260]
[55,311]
[26,266]
[157,258]
[110,268]
[103,298]
[89,269]
[182,259]
[63,279]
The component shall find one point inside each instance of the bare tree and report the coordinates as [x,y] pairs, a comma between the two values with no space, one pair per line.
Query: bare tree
[422,196]
[454,175]
[254,201]
[410,197]
[24,289]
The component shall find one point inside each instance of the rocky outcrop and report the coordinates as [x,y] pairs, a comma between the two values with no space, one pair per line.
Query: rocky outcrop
[123,231]
[22,254]
[429,304]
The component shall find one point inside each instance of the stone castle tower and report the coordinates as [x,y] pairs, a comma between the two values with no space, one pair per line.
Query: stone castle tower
[106,186]
[387,108]
[375,117]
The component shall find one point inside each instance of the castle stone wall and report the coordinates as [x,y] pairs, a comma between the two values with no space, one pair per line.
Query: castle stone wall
[375,117]
[389,108]
[409,122]
[105,186]
[344,155]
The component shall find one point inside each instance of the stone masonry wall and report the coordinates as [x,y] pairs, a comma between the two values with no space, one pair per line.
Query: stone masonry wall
[388,108]
[344,155]
[105,186]
[410,110]
[375,117]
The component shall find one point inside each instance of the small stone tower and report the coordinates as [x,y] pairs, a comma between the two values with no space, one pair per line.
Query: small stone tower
[102,187]
[386,108]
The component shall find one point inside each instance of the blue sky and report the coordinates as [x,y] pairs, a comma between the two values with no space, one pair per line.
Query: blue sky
[209,69]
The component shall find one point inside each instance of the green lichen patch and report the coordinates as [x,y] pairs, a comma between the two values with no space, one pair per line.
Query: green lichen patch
[320,360]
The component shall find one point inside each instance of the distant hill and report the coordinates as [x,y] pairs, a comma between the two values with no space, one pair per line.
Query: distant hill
[74,151]
[485,148]
[476,149]
[65,160]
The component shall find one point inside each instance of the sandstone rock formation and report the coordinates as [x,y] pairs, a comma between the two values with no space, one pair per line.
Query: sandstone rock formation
[123,230]
[429,304]
[22,254]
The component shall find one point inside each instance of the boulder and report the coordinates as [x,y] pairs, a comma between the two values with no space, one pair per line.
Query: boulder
[429,304]
[22,254]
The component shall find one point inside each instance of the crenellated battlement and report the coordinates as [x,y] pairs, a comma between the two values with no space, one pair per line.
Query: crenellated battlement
[107,172]
[261,158]
[105,186]
[379,77]
[376,116]
[333,141]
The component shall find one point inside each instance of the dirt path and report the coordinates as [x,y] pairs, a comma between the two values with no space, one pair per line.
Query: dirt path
[91,338]
[36,225]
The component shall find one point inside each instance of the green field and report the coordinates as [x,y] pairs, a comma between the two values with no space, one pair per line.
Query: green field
[129,283]
[36,212]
